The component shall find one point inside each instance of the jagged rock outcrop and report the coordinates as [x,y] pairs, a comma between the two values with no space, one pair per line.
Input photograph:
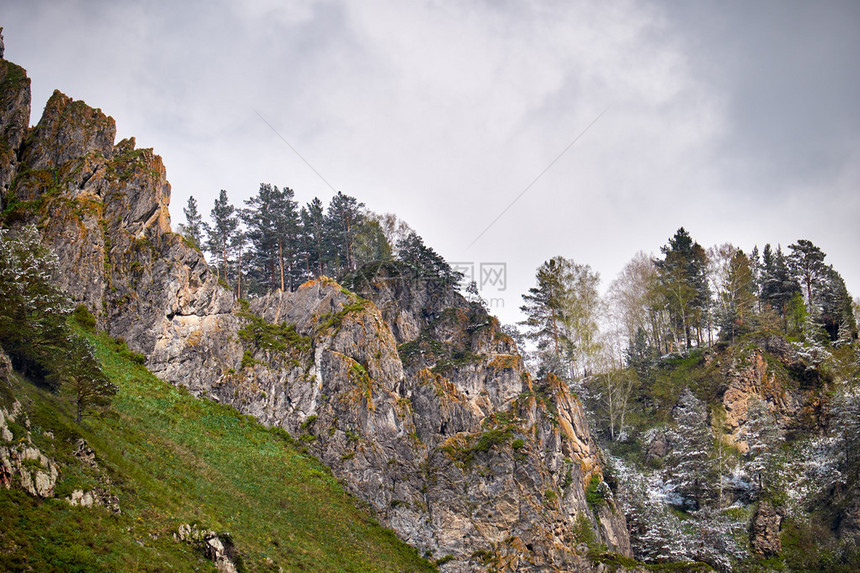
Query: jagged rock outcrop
[762,373]
[764,531]
[412,395]
[14,120]
[218,548]
[22,464]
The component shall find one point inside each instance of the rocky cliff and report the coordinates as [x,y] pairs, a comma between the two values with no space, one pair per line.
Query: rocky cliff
[412,395]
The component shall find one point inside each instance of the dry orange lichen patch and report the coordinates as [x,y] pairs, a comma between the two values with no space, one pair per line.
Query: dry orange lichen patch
[446,391]
[194,338]
[327,281]
[506,361]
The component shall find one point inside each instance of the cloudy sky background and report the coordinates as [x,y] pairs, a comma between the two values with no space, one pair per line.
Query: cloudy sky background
[738,120]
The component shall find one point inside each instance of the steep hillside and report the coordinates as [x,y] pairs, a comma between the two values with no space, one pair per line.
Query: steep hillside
[410,394]
[169,482]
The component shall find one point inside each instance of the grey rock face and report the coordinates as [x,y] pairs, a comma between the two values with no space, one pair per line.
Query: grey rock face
[21,463]
[217,548]
[413,396]
[14,119]
[68,130]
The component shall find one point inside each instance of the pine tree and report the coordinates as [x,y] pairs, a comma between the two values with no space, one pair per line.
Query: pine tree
[691,470]
[343,219]
[78,372]
[259,217]
[735,286]
[313,238]
[193,228]
[762,435]
[220,233]
[683,283]
[288,238]
[425,262]
[846,427]
[836,307]
[778,286]
[544,310]
[807,266]
[562,313]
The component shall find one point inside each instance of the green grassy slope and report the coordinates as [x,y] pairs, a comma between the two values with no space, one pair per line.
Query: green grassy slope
[172,459]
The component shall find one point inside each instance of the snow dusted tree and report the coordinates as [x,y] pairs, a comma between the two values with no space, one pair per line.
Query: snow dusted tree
[813,346]
[33,327]
[656,535]
[762,435]
[846,426]
[691,472]
[32,307]
[836,308]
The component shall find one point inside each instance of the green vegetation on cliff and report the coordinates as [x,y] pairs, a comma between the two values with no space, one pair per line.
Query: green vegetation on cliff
[171,459]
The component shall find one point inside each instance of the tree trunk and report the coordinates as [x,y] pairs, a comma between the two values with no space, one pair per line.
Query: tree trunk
[281,261]
[225,262]
[239,278]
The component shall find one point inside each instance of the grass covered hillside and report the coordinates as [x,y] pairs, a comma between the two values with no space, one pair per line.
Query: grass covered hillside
[161,469]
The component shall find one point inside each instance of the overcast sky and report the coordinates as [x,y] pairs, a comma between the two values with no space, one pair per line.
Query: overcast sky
[739,121]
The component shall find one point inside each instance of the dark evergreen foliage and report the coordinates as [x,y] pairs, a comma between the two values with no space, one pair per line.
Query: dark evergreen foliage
[194,226]
[220,233]
[682,281]
[425,261]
